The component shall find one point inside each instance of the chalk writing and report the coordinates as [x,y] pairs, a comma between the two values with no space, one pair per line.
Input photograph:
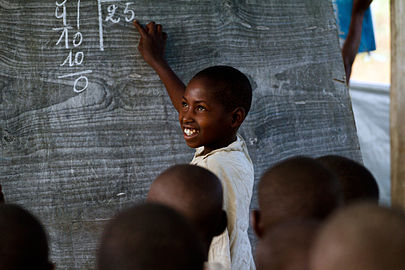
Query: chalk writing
[127,11]
[64,35]
[111,13]
[71,37]
[73,59]
[78,15]
[114,14]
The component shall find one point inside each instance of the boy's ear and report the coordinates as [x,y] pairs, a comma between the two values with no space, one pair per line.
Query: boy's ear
[238,115]
[256,223]
[221,226]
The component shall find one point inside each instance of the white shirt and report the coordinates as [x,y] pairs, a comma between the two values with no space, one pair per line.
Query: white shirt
[233,166]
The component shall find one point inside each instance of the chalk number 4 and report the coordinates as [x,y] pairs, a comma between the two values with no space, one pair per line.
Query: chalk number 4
[130,12]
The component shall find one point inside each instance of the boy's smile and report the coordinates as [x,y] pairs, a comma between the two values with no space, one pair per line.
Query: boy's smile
[203,119]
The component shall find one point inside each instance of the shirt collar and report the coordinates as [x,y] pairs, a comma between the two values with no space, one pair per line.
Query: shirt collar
[235,146]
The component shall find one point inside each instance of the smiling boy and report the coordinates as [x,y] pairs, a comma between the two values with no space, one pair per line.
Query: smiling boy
[211,109]
[214,105]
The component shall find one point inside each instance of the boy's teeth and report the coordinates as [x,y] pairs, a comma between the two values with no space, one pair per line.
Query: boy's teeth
[189,131]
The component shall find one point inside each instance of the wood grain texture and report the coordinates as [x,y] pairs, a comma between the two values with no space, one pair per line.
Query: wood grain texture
[74,159]
[397,102]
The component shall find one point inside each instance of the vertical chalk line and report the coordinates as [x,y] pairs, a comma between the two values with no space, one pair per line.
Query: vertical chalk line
[78,14]
[100,25]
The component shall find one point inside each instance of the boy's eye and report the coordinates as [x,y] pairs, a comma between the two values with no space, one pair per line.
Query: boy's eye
[184,104]
[201,108]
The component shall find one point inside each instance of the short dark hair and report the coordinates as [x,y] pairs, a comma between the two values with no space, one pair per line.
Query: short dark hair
[298,187]
[234,89]
[357,182]
[23,240]
[362,235]
[194,192]
[150,236]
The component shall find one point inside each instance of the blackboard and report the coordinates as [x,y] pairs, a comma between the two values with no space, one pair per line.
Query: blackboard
[86,125]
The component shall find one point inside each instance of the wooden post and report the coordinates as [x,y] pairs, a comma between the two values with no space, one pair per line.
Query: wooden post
[398,102]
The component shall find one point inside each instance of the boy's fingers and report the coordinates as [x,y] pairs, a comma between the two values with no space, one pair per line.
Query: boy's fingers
[159,28]
[140,29]
[151,27]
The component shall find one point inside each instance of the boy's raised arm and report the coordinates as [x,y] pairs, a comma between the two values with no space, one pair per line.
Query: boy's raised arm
[152,46]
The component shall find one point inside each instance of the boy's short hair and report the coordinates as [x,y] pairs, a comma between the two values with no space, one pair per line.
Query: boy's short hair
[148,237]
[287,246]
[357,182]
[194,192]
[361,236]
[23,240]
[299,187]
[234,89]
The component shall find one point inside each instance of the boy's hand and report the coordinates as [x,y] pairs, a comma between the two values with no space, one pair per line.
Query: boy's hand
[1,196]
[152,43]
[361,5]
[152,48]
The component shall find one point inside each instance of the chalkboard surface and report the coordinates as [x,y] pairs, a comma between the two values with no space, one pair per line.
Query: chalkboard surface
[86,125]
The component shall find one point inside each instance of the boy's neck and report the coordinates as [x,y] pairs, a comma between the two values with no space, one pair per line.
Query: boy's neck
[222,144]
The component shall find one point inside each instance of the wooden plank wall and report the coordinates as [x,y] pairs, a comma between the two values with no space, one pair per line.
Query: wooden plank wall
[397,103]
[86,125]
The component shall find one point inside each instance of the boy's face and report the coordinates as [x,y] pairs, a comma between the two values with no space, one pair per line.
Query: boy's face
[203,119]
